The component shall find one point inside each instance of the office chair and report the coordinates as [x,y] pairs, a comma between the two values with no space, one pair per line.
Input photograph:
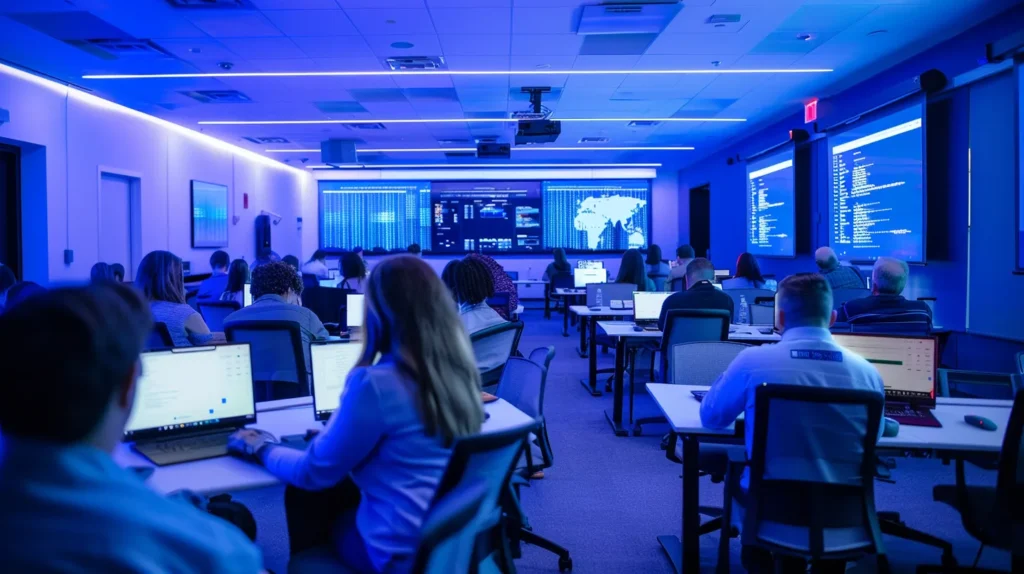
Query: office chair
[327,303]
[309,280]
[841,296]
[992,515]
[913,323]
[559,281]
[678,284]
[506,335]
[977,384]
[751,295]
[681,326]
[278,357]
[659,280]
[214,313]
[159,338]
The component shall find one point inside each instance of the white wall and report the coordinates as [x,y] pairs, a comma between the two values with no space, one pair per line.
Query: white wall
[68,139]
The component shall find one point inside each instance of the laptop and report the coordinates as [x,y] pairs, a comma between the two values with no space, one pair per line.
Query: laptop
[908,368]
[722,274]
[589,264]
[354,310]
[328,282]
[188,401]
[246,295]
[585,276]
[332,361]
[647,308]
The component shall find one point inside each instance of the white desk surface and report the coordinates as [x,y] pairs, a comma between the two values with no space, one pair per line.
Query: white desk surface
[736,332]
[683,413]
[570,291]
[529,281]
[227,473]
[584,311]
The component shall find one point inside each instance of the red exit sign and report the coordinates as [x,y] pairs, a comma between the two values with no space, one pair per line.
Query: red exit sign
[811,111]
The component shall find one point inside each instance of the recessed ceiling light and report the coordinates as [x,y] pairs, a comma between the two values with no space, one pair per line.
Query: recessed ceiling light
[574,72]
[401,45]
[543,66]
[451,121]
[516,149]
[474,165]
[877,32]
[805,37]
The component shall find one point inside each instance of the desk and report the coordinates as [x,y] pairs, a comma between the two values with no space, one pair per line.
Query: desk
[227,473]
[623,331]
[683,413]
[588,339]
[567,295]
[528,283]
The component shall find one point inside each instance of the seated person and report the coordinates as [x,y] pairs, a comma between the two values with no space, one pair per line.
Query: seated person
[100,273]
[65,505]
[448,277]
[353,271]
[657,270]
[748,274]
[633,270]
[275,291]
[838,276]
[804,313]
[238,276]
[502,283]
[291,260]
[684,254]
[365,483]
[560,266]
[700,293]
[317,265]
[161,280]
[118,270]
[888,278]
[473,285]
[415,249]
[211,287]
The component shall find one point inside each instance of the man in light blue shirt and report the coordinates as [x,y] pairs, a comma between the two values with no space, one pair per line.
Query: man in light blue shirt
[807,356]
[71,365]
[212,287]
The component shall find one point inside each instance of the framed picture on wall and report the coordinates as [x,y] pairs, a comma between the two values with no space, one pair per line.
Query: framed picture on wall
[209,215]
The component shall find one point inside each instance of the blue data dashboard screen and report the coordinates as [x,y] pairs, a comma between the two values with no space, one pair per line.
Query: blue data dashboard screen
[486,216]
[771,205]
[369,214]
[877,206]
[209,214]
[610,215]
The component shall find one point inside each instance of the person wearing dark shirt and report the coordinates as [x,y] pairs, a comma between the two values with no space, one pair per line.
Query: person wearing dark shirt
[748,274]
[101,273]
[560,266]
[211,288]
[888,278]
[700,292]
[632,269]
[838,276]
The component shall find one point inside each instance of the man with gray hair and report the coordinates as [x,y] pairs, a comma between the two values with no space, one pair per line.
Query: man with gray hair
[838,276]
[886,302]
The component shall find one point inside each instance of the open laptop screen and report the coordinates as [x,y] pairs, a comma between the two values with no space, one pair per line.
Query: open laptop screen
[332,363]
[354,310]
[585,276]
[247,295]
[589,264]
[647,304]
[907,364]
[181,389]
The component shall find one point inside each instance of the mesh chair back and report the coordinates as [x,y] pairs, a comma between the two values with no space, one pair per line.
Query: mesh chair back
[522,385]
[159,337]
[902,323]
[609,292]
[448,534]
[327,303]
[687,326]
[841,296]
[214,312]
[500,341]
[542,356]
[976,385]
[278,353]
[309,280]
[1010,482]
[750,295]
[678,284]
[659,280]
[812,465]
[702,362]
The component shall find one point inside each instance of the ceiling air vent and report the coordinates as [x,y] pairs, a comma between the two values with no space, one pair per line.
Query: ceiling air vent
[593,140]
[218,96]
[365,127]
[642,124]
[220,4]
[417,63]
[127,47]
[486,139]
[268,140]
[627,18]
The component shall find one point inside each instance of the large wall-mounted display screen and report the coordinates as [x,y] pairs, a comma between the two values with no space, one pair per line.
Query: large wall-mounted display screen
[878,204]
[597,215]
[487,216]
[387,214]
[209,214]
[771,205]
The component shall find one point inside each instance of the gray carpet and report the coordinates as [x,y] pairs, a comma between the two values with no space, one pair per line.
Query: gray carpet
[608,498]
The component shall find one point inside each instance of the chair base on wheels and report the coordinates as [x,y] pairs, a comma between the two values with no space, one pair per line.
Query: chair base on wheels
[564,560]
[890,523]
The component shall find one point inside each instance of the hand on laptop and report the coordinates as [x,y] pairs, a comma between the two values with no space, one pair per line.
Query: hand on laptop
[247,444]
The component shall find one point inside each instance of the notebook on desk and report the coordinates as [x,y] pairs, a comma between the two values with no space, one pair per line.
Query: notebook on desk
[908,368]
[647,308]
[188,402]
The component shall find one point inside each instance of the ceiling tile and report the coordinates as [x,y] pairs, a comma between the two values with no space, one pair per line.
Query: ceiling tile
[149,21]
[554,81]
[482,94]
[618,44]
[263,48]
[377,4]
[550,20]
[422,45]
[475,45]
[683,62]
[477,63]
[391,22]
[295,4]
[649,82]
[605,62]
[438,81]
[312,22]
[475,20]
[333,47]
[484,105]
[288,65]
[353,64]
[233,24]
[469,4]
[546,44]
[193,49]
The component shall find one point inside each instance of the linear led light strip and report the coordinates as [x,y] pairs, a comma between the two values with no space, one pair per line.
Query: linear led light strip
[473,149]
[476,165]
[451,121]
[715,71]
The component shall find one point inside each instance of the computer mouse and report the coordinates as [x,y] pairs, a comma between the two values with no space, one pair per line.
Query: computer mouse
[637,328]
[980,422]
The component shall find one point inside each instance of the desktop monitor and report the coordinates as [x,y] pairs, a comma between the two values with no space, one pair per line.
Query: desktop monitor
[354,310]
[183,389]
[584,276]
[589,264]
[647,304]
[332,362]
[247,295]
[721,274]
[907,364]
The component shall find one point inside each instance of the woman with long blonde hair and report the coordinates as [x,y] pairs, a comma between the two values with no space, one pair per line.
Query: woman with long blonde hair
[377,464]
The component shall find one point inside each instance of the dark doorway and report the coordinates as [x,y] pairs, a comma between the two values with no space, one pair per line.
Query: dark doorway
[700,219]
[10,209]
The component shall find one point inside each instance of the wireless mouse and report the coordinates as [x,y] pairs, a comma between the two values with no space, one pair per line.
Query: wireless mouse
[638,328]
[980,422]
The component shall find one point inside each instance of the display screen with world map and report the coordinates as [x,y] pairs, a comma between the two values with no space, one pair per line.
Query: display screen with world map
[492,217]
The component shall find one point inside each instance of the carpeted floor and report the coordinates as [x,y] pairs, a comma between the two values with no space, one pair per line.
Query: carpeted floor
[607,498]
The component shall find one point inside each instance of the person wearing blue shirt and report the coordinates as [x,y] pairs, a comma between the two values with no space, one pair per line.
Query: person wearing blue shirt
[806,356]
[212,287]
[65,505]
[364,485]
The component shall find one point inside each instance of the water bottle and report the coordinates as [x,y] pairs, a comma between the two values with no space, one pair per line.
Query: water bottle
[529,273]
[599,300]
[744,311]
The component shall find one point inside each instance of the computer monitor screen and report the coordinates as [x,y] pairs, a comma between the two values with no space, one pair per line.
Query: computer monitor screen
[370,214]
[247,295]
[331,365]
[182,389]
[589,264]
[877,205]
[584,277]
[771,205]
[488,216]
[209,214]
[907,364]
[328,282]
[608,215]
[647,305]
[721,274]
[354,310]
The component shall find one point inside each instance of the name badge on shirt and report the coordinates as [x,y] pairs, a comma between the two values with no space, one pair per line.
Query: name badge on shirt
[817,355]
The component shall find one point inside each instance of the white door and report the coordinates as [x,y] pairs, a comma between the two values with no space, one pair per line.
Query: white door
[115,228]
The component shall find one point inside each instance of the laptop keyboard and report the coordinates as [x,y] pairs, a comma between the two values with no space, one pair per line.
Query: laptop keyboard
[185,449]
[900,410]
